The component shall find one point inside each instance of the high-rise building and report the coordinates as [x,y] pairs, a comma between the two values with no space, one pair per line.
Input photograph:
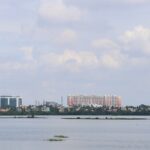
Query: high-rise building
[107,100]
[10,101]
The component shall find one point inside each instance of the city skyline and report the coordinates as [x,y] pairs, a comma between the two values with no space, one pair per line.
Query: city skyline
[54,48]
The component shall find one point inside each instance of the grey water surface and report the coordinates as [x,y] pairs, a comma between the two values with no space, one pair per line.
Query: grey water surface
[32,134]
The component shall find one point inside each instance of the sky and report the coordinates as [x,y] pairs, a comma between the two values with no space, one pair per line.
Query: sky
[54,48]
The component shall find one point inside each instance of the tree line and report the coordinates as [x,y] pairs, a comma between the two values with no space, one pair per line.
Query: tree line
[79,110]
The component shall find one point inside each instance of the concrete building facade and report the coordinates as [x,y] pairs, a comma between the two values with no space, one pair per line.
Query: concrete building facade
[10,101]
[107,100]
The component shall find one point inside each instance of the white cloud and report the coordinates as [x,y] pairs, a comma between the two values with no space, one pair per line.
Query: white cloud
[71,60]
[58,10]
[137,39]
[67,36]
[131,1]
[104,44]
[10,66]
[113,59]
[139,61]
[131,49]
[138,32]
[28,53]
[111,54]
[78,61]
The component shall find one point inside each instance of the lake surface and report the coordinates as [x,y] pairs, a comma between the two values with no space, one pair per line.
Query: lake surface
[32,134]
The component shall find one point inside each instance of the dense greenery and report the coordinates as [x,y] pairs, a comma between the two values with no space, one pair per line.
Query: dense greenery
[128,110]
[31,111]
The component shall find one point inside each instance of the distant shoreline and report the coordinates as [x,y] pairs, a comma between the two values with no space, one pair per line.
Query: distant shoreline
[21,117]
[105,118]
[79,117]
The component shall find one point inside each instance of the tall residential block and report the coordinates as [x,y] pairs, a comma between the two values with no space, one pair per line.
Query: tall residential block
[93,100]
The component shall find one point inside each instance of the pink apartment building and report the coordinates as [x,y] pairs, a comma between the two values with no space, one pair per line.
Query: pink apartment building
[107,100]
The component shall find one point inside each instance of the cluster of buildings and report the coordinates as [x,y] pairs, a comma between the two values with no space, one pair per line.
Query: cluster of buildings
[47,106]
[107,100]
[7,102]
[97,105]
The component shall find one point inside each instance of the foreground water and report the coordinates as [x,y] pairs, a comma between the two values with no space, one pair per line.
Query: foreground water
[32,134]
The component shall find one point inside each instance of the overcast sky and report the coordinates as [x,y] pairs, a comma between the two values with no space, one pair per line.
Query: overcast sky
[54,48]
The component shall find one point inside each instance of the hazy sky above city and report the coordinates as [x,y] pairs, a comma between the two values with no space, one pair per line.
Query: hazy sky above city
[54,48]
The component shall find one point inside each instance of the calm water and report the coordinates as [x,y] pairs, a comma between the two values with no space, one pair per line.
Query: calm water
[31,134]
